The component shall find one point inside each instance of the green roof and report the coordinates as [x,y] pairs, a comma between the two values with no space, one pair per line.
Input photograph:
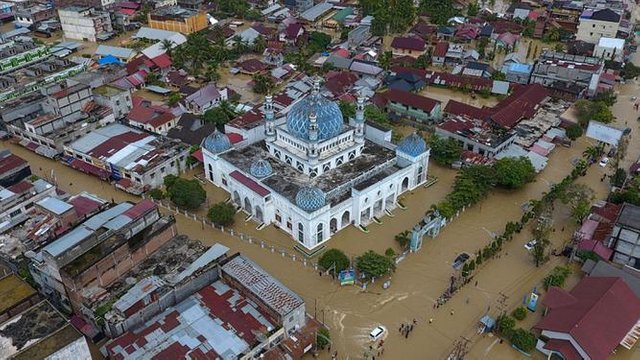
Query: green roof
[50,344]
[341,15]
[13,291]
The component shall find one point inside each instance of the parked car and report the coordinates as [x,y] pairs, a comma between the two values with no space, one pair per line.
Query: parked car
[460,260]
[530,244]
[377,333]
[604,161]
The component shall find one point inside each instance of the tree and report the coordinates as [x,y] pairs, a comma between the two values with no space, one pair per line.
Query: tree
[260,44]
[587,110]
[218,115]
[373,264]
[557,277]
[262,84]
[373,113]
[473,8]
[347,109]
[167,45]
[323,338]
[505,325]
[499,75]
[222,214]
[318,41]
[519,313]
[236,8]
[630,71]
[186,193]
[482,46]
[523,340]
[540,234]
[440,11]
[513,173]
[334,260]
[173,98]
[618,177]
[390,253]
[444,151]
[385,60]
[403,239]
[156,194]
[574,131]
[421,62]
[592,152]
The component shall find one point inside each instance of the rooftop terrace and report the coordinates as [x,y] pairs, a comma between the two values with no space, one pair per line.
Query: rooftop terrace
[13,291]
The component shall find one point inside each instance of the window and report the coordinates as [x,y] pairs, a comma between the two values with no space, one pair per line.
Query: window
[278,218]
[210,167]
[15,213]
[162,169]
[300,232]
[224,181]
[319,233]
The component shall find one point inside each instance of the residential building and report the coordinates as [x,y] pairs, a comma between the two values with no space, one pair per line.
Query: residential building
[358,36]
[17,296]
[596,24]
[177,19]
[118,99]
[17,200]
[518,73]
[406,104]
[455,53]
[411,81]
[158,119]
[519,10]
[291,33]
[590,321]
[85,23]
[13,168]
[609,49]
[411,46]
[316,12]
[625,237]
[16,54]
[191,130]
[567,76]
[603,268]
[205,98]
[39,332]
[475,135]
[122,54]
[478,69]
[299,6]
[134,159]
[34,15]
[440,53]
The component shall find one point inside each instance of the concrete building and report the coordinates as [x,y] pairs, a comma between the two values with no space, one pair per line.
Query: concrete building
[13,168]
[85,23]
[16,54]
[476,135]
[609,49]
[518,73]
[205,98]
[178,19]
[118,99]
[406,104]
[17,200]
[33,15]
[299,6]
[158,119]
[625,237]
[595,24]
[567,76]
[136,160]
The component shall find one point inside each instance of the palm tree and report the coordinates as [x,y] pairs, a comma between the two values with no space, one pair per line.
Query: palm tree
[592,152]
[259,44]
[225,107]
[385,60]
[167,45]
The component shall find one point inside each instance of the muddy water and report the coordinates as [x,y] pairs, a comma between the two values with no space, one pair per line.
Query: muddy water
[444,95]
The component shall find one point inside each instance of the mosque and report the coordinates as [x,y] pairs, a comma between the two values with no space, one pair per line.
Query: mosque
[314,174]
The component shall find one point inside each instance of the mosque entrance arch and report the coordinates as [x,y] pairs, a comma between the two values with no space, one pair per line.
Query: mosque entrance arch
[236,198]
[333,225]
[405,184]
[259,214]
[247,205]
[346,218]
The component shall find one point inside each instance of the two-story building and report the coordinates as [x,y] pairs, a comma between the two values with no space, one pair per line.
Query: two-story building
[407,104]
[410,46]
[625,237]
[596,24]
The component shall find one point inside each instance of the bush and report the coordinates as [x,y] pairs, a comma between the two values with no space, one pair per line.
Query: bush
[523,340]
[505,325]
[390,253]
[156,194]
[222,214]
[333,257]
[514,173]
[185,193]
[323,338]
[373,264]
[519,313]
[557,277]
[574,131]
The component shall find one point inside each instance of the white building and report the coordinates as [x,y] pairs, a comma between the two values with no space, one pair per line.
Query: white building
[609,49]
[596,24]
[315,175]
[85,23]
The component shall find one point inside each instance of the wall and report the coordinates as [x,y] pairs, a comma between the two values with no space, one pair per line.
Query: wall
[592,30]
[565,336]
[477,147]
[186,26]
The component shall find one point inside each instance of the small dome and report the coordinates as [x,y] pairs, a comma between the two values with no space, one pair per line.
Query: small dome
[217,142]
[261,168]
[329,117]
[310,198]
[413,145]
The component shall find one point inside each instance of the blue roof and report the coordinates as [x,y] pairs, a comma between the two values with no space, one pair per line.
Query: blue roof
[310,198]
[217,142]
[328,117]
[54,205]
[520,68]
[413,145]
[261,168]
[109,59]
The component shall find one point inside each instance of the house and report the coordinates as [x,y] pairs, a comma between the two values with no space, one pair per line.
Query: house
[339,83]
[120,53]
[467,32]
[445,32]
[315,13]
[252,66]
[273,56]
[519,10]
[13,168]
[582,48]
[470,55]
[365,68]
[478,69]
[567,76]
[518,73]
[439,54]
[247,36]
[412,46]
[154,118]
[625,237]
[291,33]
[596,24]
[191,129]
[205,98]
[406,104]
[423,30]
[486,31]
[507,40]
[475,135]
[590,321]
[454,55]
[406,81]
[116,98]
[358,36]
[609,49]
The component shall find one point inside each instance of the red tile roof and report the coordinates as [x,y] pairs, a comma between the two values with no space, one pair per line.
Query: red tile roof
[162,61]
[250,183]
[411,43]
[523,103]
[84,205]
[605,310]
[340,82]
[411,99]
[11,162]
[21,187]
[153,115]
[441,49]
[115,144]
[291,32]
[89,169]
[140,209]
[458,108]
[564,347]
[198,155]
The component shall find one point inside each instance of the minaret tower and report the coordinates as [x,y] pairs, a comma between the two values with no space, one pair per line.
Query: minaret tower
[359,134]
[270,122]
[313,138]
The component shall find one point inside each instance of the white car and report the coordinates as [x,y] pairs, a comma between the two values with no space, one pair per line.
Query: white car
[604,161]
[530,244]
[377,333]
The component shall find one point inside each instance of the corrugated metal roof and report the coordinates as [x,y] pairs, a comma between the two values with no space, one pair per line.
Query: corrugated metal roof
[117,222]
[213,254]
[100,219]
[138,292]
[154,34]
[54,205]
[316,11]
[68,241]
[119,52]
[98,136]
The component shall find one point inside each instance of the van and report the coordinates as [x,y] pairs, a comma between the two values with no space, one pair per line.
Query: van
[377,333]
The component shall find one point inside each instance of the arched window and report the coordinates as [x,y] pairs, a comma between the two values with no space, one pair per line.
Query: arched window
[319,233]
[300,232]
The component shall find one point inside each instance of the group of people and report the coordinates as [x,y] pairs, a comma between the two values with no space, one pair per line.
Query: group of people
[377,350]
[406,329]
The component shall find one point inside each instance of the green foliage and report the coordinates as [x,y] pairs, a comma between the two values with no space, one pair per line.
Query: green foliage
[222,214]
[630,71]
[630,194]
[373,264]
[348,110]
[618,178]
[323,338]
[185,193]
[169,180]
[173,98]
[153,79]
[513,173]
[403,239]
[236,8]
[523,340]
[473,8]
[520,313]
[505,325]
[444,151]
[219,115]
[390,253]
[499,75]
[333,257]
[199,55]
[574,131]
[262,84]
[385,60]
[579,198]
[587,110]
[373,113]
[609,97]
[156,194]
[394,15]
[471,185]
[588,255]
[422,62]
[557,277]
[440,11]
[318,41]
